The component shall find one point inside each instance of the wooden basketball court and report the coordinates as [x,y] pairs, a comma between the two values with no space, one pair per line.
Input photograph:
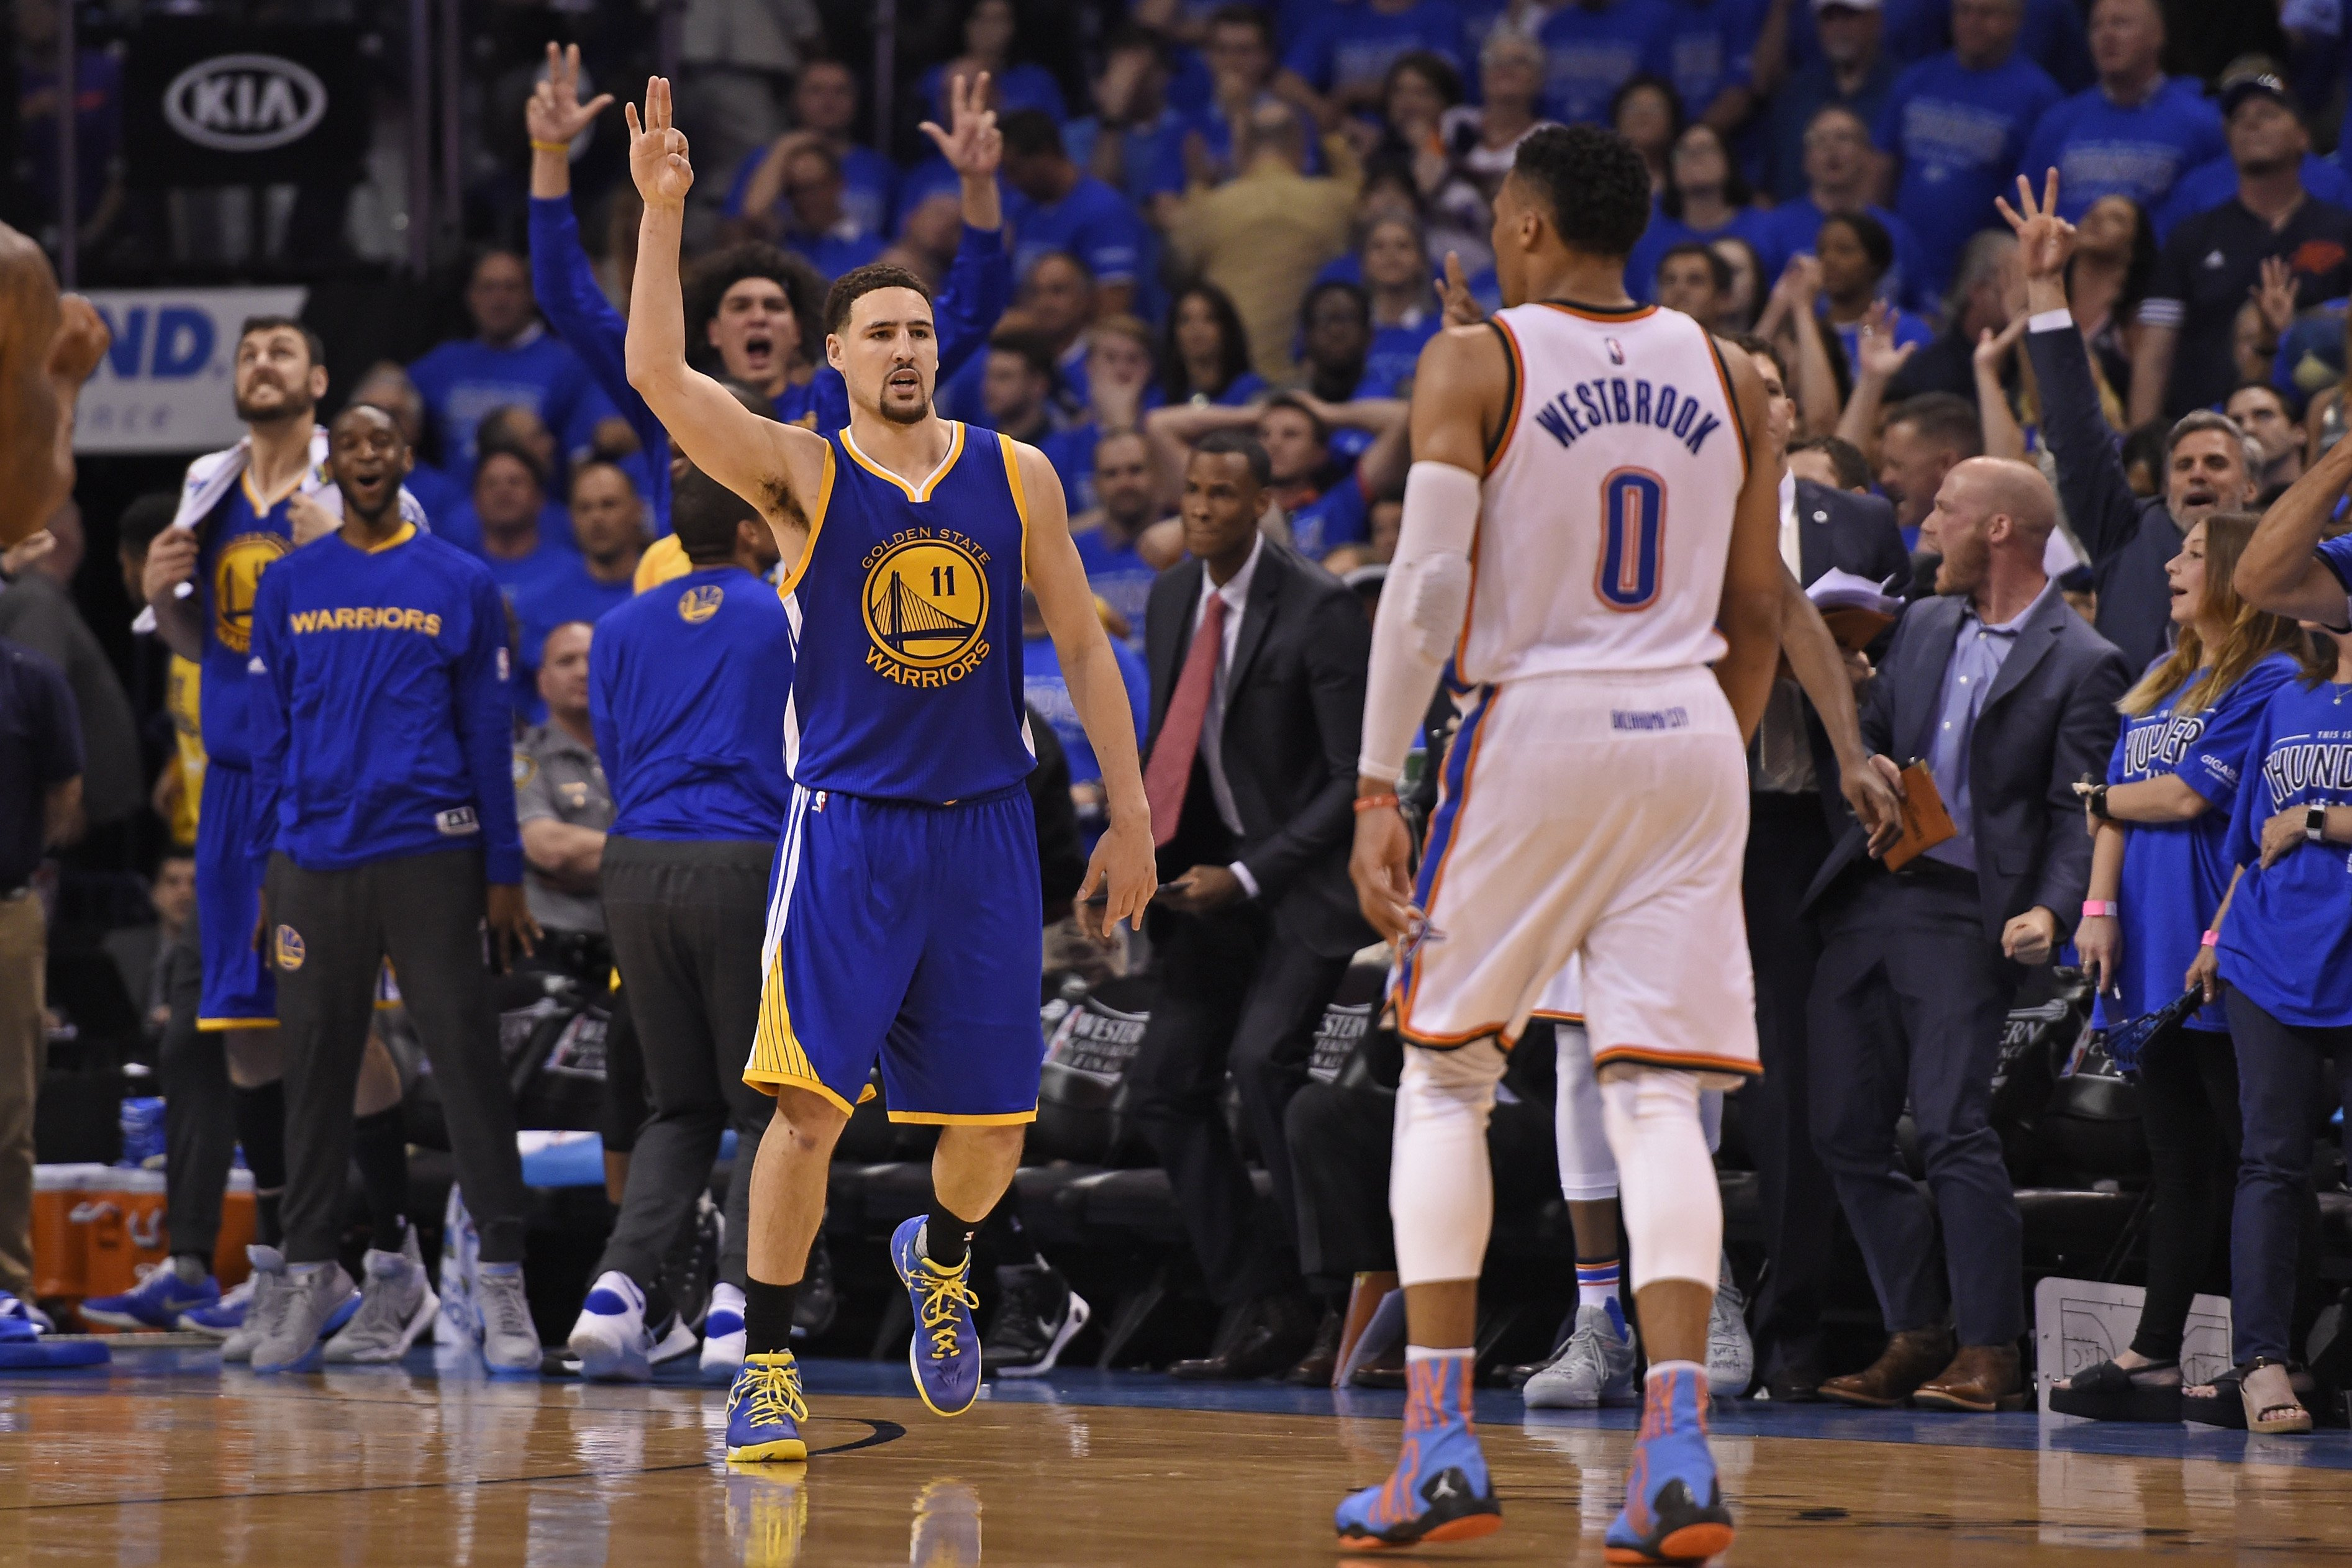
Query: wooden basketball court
[162,1459]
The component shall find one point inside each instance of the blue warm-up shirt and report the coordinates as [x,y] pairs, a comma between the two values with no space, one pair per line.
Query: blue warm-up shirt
[2101,148]
[466,379]
[687,684]
[2287,942]
[382,720]
[1592,54]
[2175,874]
[1957,134]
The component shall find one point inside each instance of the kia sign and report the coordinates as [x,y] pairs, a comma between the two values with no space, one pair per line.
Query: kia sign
[165,383]
[211,104]
[244,103]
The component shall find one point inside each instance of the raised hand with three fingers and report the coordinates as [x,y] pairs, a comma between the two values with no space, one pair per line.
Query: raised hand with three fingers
[554,113]
[657,153]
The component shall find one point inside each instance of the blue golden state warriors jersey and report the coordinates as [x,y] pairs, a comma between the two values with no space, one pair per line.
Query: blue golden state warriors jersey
[906,680]
[241,538]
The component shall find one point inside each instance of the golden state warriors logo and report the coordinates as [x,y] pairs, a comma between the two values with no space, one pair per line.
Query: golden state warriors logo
[927,607]
[236,574]
[697,605]
[290,952]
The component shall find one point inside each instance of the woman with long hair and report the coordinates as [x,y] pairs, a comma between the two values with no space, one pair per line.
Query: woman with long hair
[1645,112]
[2159,871]
[1704,200]
[2106,277]
[1204,354]
[1856,253]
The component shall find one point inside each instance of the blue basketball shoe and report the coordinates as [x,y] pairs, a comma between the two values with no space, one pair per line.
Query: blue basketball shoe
[945,1353]
[764,1411]
[155,1302]
[1674,1511]
[1439,1489]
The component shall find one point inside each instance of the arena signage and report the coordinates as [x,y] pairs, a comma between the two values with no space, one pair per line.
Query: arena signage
[164,385]
[208,104]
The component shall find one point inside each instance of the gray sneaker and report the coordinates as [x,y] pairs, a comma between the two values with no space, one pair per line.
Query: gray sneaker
[1594,1368]
[396,1305]
[305,1299]
[268,1275]
[1730,1353]
[509,1340]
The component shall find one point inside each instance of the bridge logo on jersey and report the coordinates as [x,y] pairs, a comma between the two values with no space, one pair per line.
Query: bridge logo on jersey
[697,605]
[290,950]
[237,576]
[927,607]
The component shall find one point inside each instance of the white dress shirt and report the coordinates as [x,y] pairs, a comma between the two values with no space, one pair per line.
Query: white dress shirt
[1234,592]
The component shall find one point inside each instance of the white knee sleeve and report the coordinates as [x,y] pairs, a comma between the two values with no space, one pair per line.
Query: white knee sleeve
[1710,1118]
[1673,1209]
[1441,1188]
[1587,1171]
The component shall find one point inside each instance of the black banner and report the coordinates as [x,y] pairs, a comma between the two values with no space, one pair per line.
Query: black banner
[210,104]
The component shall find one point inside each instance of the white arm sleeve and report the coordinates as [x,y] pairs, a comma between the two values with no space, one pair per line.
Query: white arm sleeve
[1422,609]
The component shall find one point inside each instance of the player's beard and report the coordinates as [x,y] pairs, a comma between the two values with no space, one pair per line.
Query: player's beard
[902,415]
[296,405]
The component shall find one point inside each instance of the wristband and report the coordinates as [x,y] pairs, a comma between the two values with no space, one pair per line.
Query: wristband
[2097,800]
[1376,802]
[2314,823]
[2210,939]
[2095,906]
[538,146]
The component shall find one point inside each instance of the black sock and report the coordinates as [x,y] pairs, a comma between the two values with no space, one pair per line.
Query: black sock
[947,1235]
[380,1144]
[262,1132]
[767,1316]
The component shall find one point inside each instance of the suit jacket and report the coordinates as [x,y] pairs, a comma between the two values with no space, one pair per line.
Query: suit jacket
[1840,530]
[1293,731]
[2049,719]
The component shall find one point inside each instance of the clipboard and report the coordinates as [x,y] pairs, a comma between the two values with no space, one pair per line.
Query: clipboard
[1926,823]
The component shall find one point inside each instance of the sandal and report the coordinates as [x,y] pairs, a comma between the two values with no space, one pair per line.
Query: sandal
[2216,1403]
[2287,1416]
[2110,1392]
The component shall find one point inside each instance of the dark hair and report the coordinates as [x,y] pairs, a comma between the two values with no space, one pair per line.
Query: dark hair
[1947,419]
[860,281]
[2260,385]
[2138,272]
[1033,349]
[1239,15]
[1127,38]
[703,514]
[1718,270]
[312,343]
[1594,185]
[1645,82]
[524,455]
[2148,445]
[1763,347]
[1030,133]
[1736,193]
[1853,469]
[1868,232]
[1229,442]
[590,467]
[1232,346]
[1354,291]
[1440,72]
[146,517]
[707,281]
[1298,405]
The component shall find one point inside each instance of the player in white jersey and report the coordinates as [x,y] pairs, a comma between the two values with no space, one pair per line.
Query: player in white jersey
[1592,521]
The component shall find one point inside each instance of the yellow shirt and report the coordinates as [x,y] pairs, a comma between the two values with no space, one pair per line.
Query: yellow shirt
[1262,237]
[662,559]
[183,701]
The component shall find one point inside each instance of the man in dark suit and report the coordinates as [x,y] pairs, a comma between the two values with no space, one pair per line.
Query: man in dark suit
[2009,698]
[1257,660]
[1796,811]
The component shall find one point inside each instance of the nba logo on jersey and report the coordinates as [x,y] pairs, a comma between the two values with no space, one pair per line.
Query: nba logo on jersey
[1616,350]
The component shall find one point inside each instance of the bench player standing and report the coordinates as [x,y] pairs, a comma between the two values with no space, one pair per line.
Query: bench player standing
[902,921]
[1586,529]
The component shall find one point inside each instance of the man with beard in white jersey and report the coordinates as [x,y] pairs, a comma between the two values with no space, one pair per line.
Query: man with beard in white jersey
[1591,522]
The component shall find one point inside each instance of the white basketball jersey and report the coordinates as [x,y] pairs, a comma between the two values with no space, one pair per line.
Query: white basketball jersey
[1605,517]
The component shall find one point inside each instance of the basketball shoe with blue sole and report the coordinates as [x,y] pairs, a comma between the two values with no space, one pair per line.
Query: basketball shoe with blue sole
[945,1351]
[764,1411]
[1440,1490]
[155,1302]
[1674,1511]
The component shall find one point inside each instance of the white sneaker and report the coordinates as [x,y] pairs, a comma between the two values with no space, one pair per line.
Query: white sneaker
[722,1334]
[611,1338]
[509,1340]
[1730,1353]
[1595,1367]
[396,1305]
[304,1302]
[263,1288]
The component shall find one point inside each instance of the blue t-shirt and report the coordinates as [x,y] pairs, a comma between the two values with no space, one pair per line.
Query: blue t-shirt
[1713,49]
[1594,53]
[1790,229]
[2101,148]
[1151,161]
[1049,694]
[1395,352]
[532,574]
[2052,35]
[465,378]
[435,492]
[2175,874]
[1340,516]
[380,723]
[1016,87]
[1120,577]
[1664,233]
[1093,223]
[1072,454]
[1351,46]
[235,544]
[845,247]
[2208,185]
[1957,134]
[567,593]
[869,182]
[2287,943]
[1905,327]
[687,683]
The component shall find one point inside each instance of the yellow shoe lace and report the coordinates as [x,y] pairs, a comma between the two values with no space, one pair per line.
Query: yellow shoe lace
[944,1290]
[772,1385]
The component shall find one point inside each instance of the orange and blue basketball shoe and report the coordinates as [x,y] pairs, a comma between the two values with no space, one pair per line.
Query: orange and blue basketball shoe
[764,1411]
[945,1354]
[1674,1511]
[1439,1489]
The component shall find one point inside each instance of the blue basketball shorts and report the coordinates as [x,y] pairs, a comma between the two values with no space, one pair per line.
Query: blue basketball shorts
[910,934]
[238,989]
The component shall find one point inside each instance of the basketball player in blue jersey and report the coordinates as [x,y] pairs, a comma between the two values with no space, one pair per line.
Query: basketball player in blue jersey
[902,920]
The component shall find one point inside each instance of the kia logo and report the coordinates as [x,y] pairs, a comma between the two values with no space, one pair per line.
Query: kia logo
[244,103]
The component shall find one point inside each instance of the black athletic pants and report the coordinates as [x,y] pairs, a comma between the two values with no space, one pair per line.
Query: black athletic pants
[199,1108]
[2188,1109]
[330,931]
[686,922]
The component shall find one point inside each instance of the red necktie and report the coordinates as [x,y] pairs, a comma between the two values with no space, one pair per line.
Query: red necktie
[1180,732]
